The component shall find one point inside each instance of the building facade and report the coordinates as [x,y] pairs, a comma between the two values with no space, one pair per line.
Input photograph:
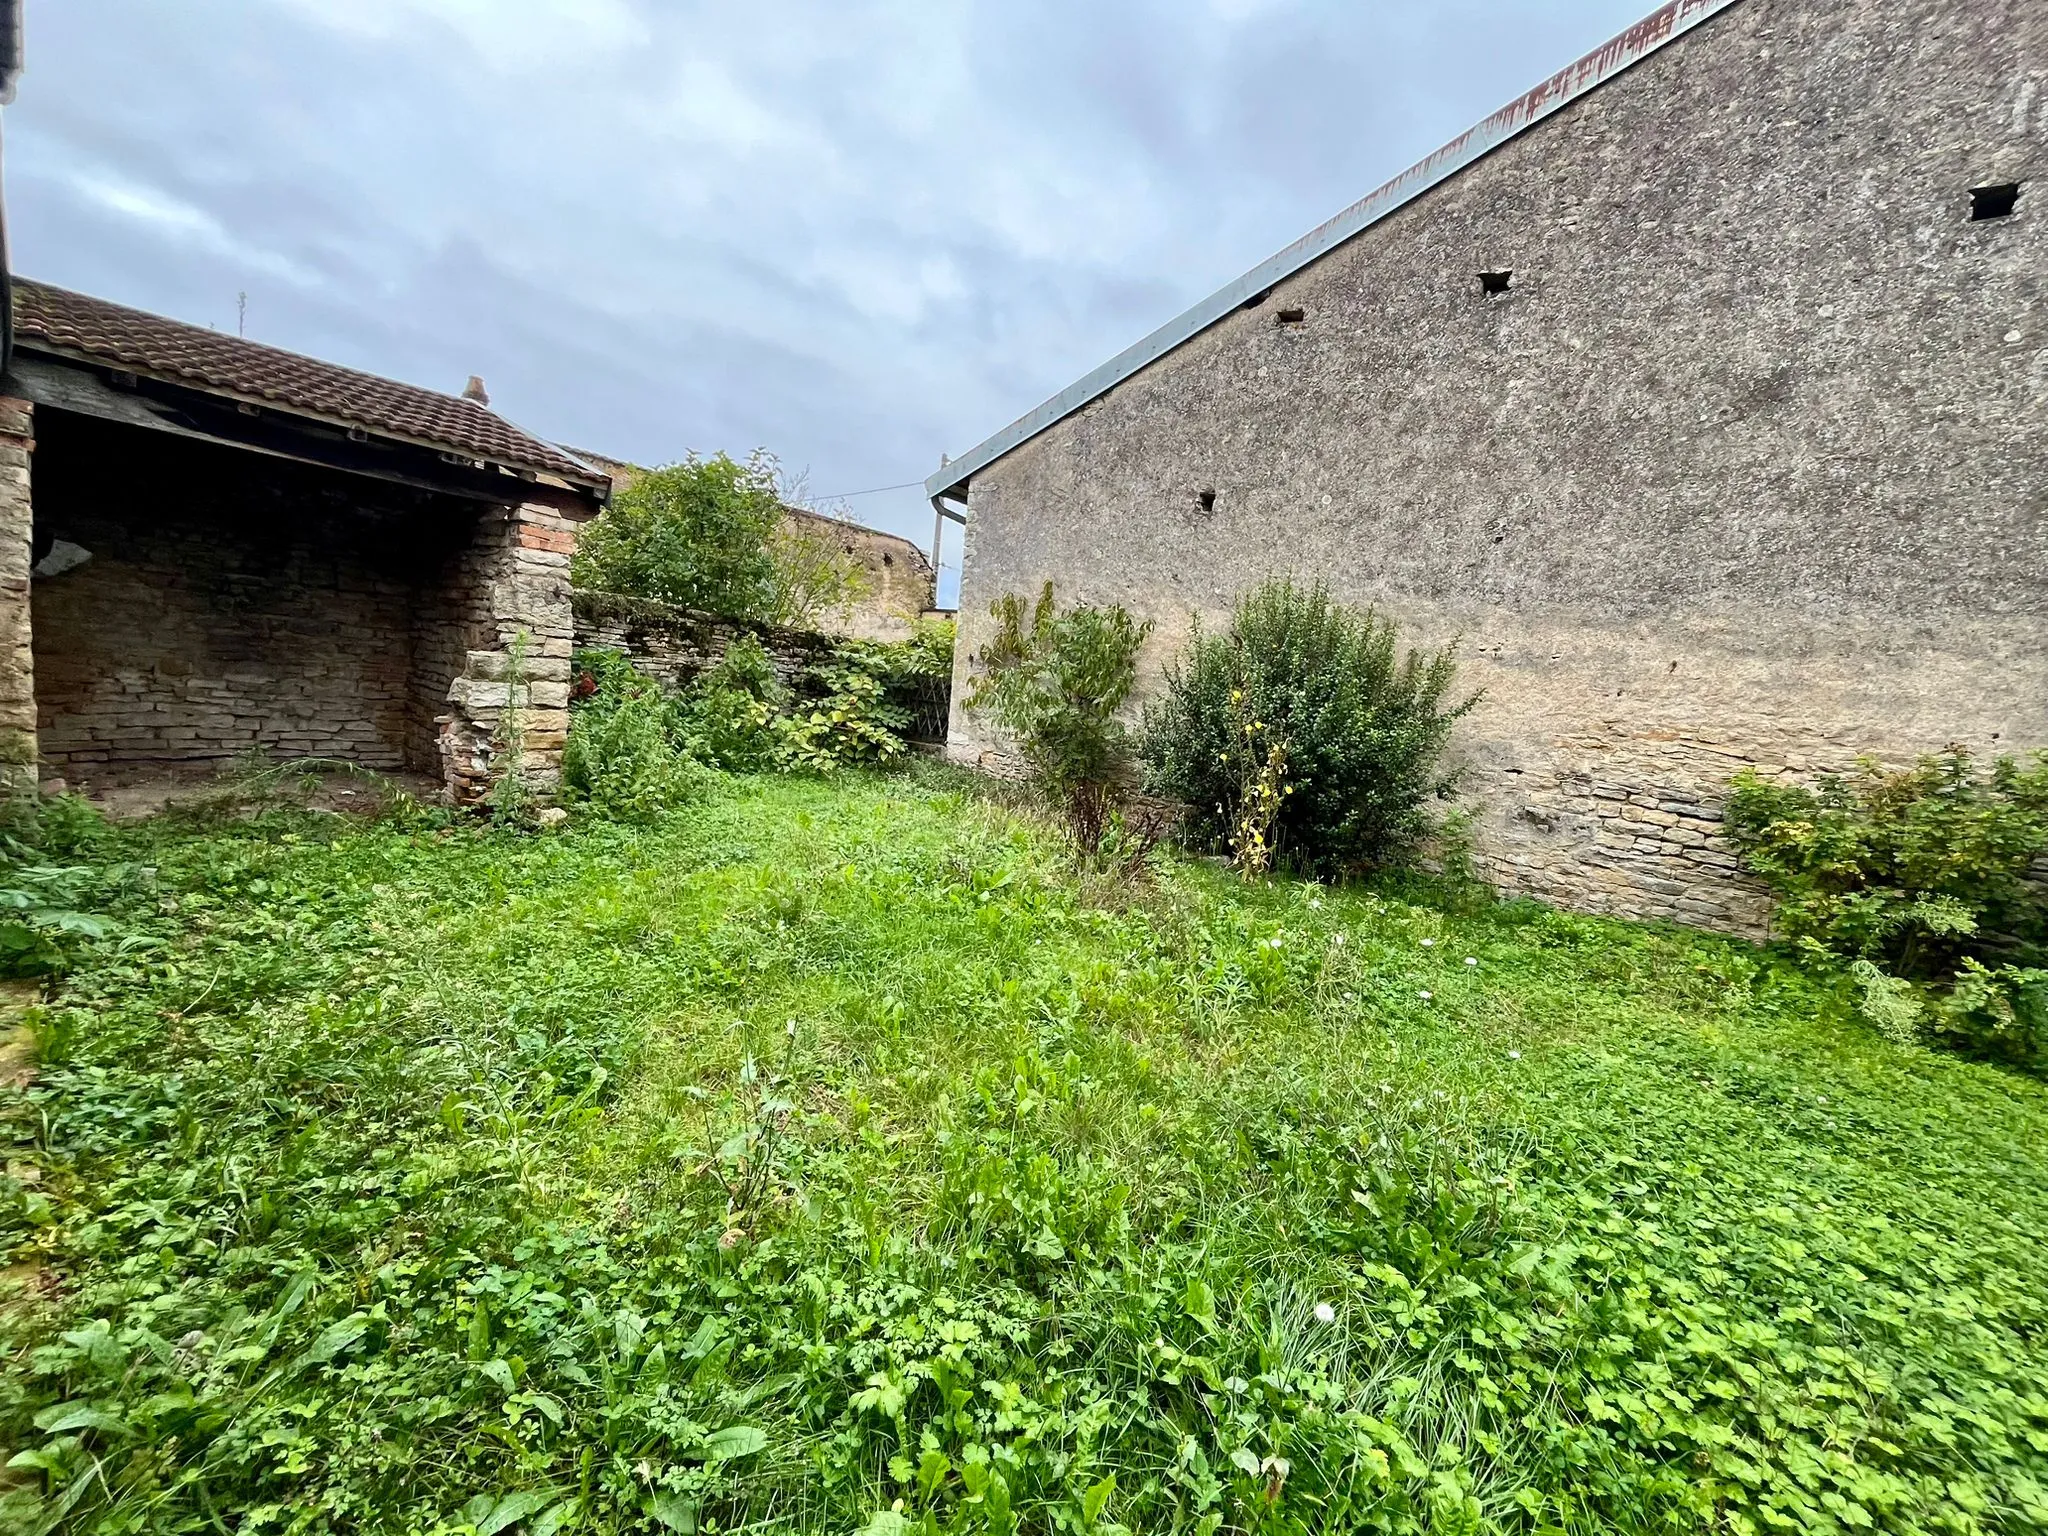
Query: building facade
[1700,398]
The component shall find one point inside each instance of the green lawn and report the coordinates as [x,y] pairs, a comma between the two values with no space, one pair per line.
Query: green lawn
[824,1159]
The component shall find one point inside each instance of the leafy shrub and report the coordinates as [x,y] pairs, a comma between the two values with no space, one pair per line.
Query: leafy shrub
[44,905]
[1919,878]
[622,758]
[715,535]
[1303,695]
[1055,681]
[634,747]
[728,716]
[852,720]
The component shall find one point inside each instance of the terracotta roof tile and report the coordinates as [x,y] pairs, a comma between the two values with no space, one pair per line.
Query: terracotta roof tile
[74,325]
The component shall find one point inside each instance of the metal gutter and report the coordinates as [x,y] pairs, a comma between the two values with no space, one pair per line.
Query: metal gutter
[1560,90]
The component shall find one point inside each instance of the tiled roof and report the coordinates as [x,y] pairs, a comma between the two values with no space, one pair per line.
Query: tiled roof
[48,319]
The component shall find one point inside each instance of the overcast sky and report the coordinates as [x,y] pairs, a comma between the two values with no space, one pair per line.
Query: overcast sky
[857,232]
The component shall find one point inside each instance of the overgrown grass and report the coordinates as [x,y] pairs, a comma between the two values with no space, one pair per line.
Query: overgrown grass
[816,1159]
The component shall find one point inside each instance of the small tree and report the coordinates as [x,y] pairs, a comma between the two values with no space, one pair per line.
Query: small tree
[695,534]
[1055,681]
[814,576]
[1301,737]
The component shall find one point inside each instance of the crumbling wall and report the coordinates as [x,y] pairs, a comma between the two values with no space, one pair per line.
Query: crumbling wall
[675,646]
[17,657]
[507,611]
[236,602]
[899,583]
[1745,464]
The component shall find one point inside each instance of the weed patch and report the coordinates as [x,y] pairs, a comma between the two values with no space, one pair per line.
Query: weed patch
[810,1157]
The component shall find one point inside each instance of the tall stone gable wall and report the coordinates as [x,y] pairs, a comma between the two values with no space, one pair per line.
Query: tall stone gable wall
[1747,466]
[900,586]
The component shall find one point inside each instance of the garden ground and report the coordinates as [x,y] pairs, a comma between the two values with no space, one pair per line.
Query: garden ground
[826,1157]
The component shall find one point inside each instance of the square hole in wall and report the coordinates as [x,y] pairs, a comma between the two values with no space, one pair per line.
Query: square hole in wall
[1494,283]
[1205,501]
[1997,202]
[1290,317]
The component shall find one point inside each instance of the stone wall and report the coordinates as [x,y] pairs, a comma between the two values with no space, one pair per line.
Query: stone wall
[1746,465]
[17,658]
[508,614]
[674,646]
[231,603]
[900,585]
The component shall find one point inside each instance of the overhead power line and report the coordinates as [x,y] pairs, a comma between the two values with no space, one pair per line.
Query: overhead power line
[875,491]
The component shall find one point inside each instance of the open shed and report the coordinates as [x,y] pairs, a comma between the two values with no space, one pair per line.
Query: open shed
[210,547]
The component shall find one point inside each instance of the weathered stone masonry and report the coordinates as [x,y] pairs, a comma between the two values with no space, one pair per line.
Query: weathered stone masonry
[516,637]
[221,548]
[1747,465]
[17,661]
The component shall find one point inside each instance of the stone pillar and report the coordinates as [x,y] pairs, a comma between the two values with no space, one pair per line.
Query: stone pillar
[17,652]
[517,667]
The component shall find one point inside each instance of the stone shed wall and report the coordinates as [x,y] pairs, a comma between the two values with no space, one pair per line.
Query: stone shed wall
[1748,465]
[236,601]
[231,602]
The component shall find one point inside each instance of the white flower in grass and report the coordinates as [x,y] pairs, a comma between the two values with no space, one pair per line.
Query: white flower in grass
[1325,1313]
[1429,943]
[1315,903]
[1514,1055]
[1337,940]
[1471,959]
[1425,994]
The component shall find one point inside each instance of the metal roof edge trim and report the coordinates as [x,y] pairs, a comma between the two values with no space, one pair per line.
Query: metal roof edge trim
[1560,90]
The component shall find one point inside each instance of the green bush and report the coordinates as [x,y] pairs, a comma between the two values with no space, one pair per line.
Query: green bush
[623,760]
[45,905]
[1300,724]
[1055,681]
[850,720]
[695,534]
[729,717]
[715,535]
[1920,879]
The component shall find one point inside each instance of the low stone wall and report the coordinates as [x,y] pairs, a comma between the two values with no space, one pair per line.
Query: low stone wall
[675,646]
